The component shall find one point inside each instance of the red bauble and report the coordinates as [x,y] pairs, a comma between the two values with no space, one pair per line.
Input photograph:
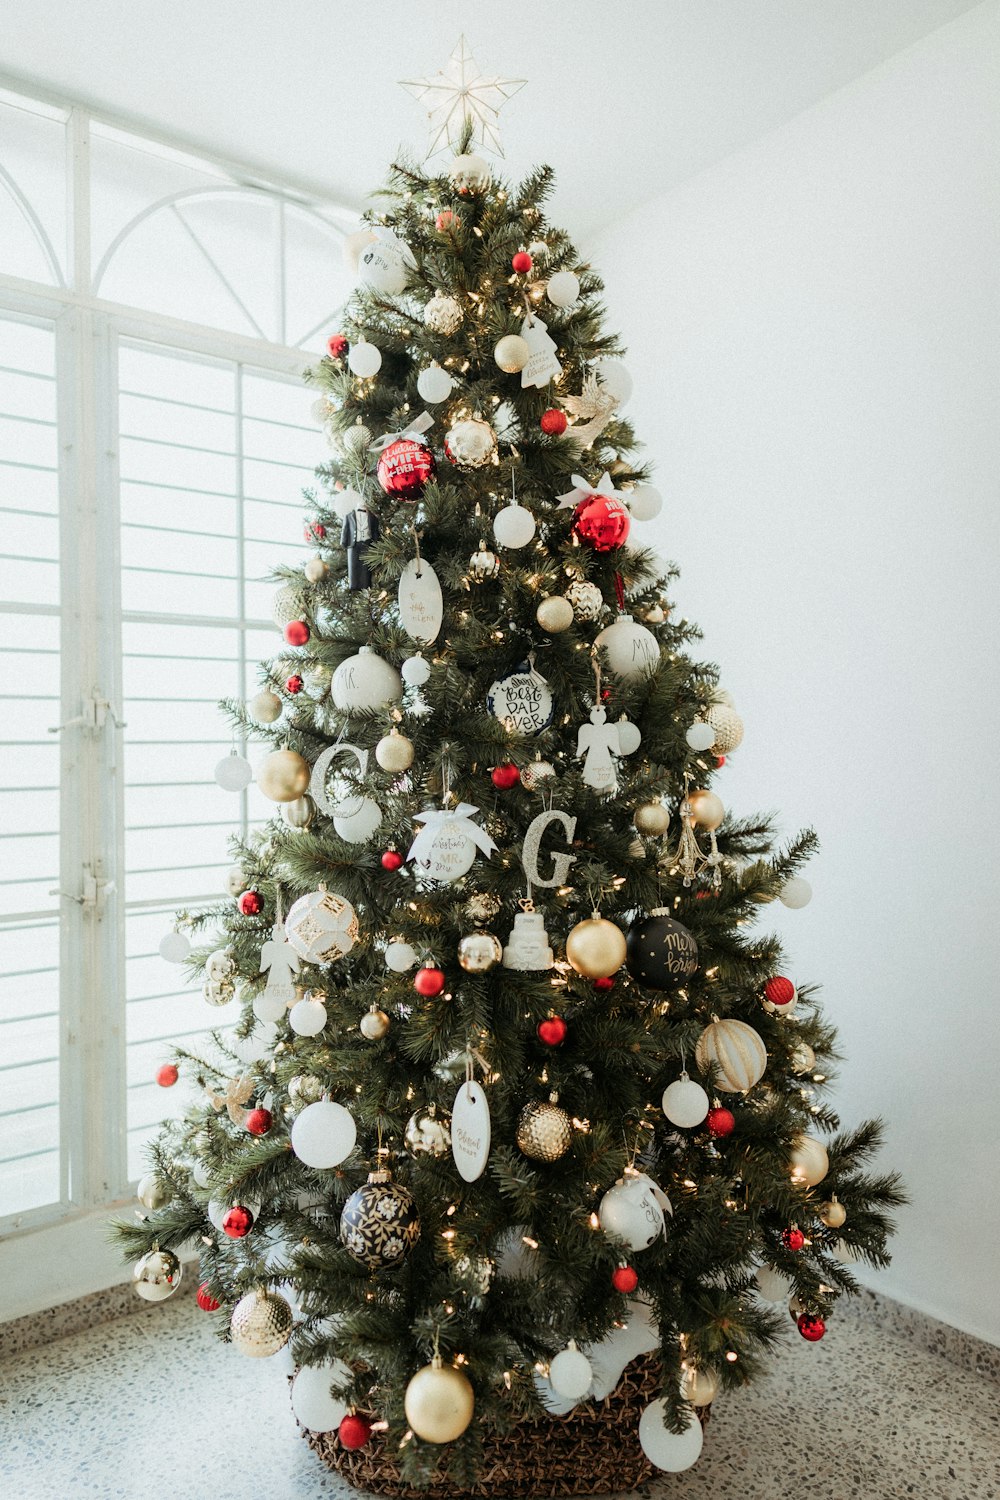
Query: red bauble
[296,632]
[720,1121]
[552,1031]
[404,468]
[336,345]
[505,776]
[294,684]
[810,1326]
[779,990]
[354,1431]
[250,904]
[429,981]
[553,421]
[205,1300]
[602,521]
[720,761]
[522,262]
[606,982]
[237,1221]
[445,220]
[313,531]
[792,1239]
[259,1121]
[392,859]
[624,1279]
[167,1076]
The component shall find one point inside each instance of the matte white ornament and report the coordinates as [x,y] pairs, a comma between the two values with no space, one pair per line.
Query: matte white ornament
[522,700]
[795,893]
[609,1357]
[258,1045]
[416,670]
[629,1211]
[629,736]
[353,246]
[307,1017]
[174,947]
[364,359]
[614,378]
[323,1135]
[631,648]
[434,384]
[685,1103]
[511,353]
[315,1408]
[233,772]
[385,263]
[365,681]
[471,1130]
[357,820]
[421,605]
[772,1285]
[346,501]
[322,927]
[563,289]
[644,502]
[700,736]
[514,526]
[469,173]
[570,1374]
[673,1452]
[532,845]
[400,957]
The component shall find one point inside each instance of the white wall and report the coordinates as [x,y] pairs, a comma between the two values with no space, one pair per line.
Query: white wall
[814,327]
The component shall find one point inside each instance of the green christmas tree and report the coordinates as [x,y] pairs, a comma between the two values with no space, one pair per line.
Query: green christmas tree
[528,1089]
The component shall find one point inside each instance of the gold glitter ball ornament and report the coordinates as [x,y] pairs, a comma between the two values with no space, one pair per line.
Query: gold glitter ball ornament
[261,1324]
[596,948]
[554,614]
[585,599]
[544,1131]
[157,1275]
[651,818]
[728,728]
[483,905]
[439,1402]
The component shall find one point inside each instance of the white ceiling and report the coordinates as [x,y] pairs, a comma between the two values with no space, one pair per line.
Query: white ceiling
[624,100]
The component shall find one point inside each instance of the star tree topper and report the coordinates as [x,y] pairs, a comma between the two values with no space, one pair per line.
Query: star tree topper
[458,93]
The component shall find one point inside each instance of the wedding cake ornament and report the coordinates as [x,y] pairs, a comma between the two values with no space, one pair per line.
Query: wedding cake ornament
[528,947]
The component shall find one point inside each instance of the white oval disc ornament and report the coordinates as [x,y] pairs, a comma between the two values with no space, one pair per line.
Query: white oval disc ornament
[522,701]
[420,602]
[471,1131]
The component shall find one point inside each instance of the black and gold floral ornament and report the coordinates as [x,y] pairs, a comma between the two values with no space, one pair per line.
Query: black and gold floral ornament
[380,1224]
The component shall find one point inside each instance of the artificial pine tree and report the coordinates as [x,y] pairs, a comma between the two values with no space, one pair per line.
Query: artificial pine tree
[500,894]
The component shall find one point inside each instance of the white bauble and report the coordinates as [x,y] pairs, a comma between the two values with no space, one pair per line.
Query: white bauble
[434,384]
[254,1048]
[265,707]
[307,1017]
[366,681]
[514,526]
[771,1284]
[236,880]
[570,1374]
[356,440]
[314,1407]
[364,359]
[323,1135]
[344,501]
[629,1212]
[615,379]
[447,857]
[233,773]
[321,927]
[321,411]
[353,246]
[645,502]
[670,1451]
[174,947]
[470,443]
[416,670]
[384,265]
[512,353]
[287,606]
[685,1102]
[629,736]
[357,821]
[469,173]
[563,289]
[632,649]
[400,957]
[268,1008]
[700,736]
[202,1176]
[795,893]
[809,1162]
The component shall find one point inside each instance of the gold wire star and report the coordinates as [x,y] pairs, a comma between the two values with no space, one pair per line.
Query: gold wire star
[459,93]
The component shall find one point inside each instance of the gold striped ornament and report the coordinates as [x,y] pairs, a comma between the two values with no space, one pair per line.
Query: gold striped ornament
[738,1053]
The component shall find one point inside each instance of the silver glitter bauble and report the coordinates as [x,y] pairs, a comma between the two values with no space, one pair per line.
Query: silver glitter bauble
[380,1224]
[261,1324]
[544,1131]
[443,314]
[536,774]
[289,605]
[586,599]
[157,1275]
[479,952]
[483,906]
[356,440]
[728,728]
[428,1133]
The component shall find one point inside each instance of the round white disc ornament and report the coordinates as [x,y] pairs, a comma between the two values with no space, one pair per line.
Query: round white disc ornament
[514,526]
[685,1103]
[421,605]
[632,649]
[570,1374]
[307,1017]
[174,947]
[522,701]
[671,1451]
[700,736]
[323,1135]
[233,772]
[434,384]
[365,681]
[314,1406]
[400,958]
[471,1131]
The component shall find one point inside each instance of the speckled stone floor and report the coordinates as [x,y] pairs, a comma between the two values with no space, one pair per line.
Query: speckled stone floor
[152,1406]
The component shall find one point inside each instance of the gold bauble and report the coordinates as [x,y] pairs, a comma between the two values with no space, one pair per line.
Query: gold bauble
[651,818]
[706,808]
[554,614]
[833,1214]
[700,1387]
[479,951]
[728,727]
[394,752]
[283,775]
[809,1162]
[737,1052]
[439,1402]
[315,570]
[482,906]
[655,615]
[374,1024]
[512,353]
[265,707]
[596,948]
[300,813]
[261,1324]
[544,1131]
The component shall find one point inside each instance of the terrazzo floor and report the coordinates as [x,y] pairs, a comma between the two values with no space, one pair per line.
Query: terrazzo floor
[152,1406]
